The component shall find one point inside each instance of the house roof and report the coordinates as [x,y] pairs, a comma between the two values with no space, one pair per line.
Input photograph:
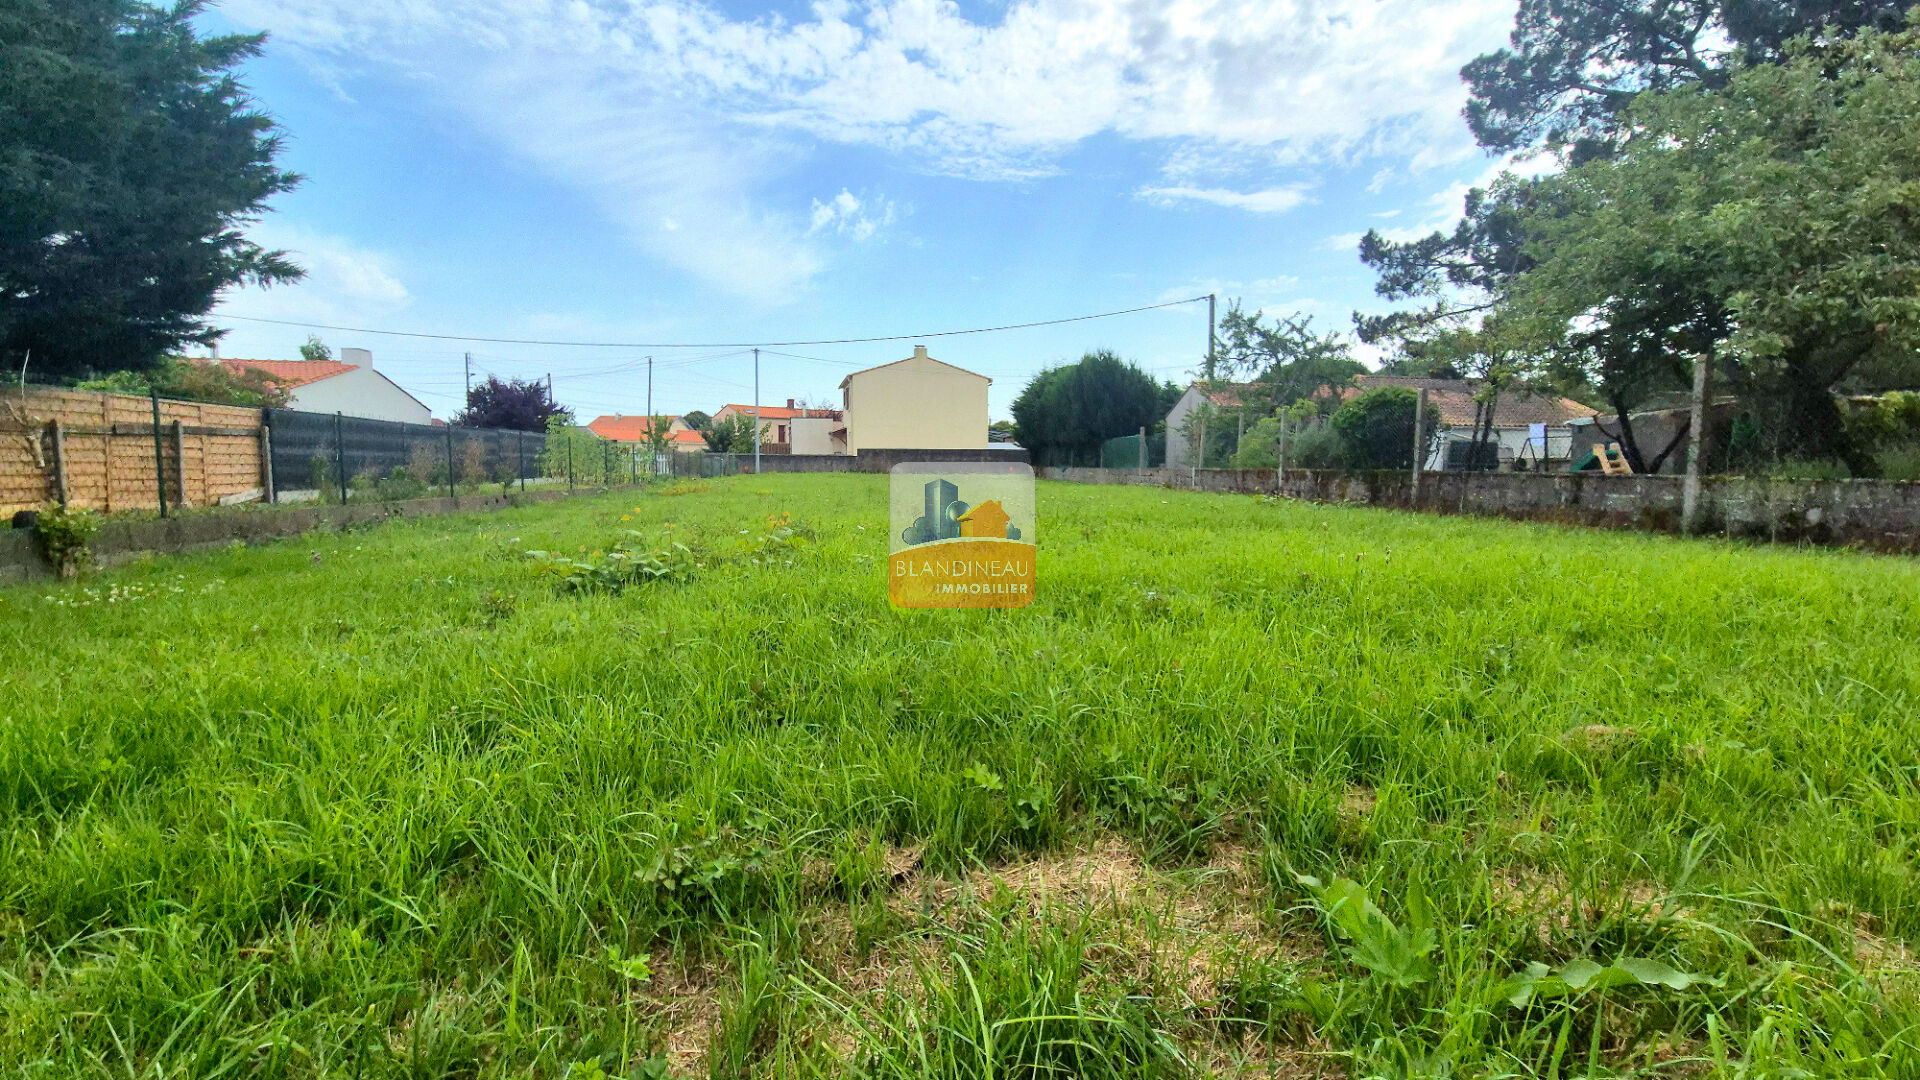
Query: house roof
[1223,395]
[634,429]
[781,412]
[293,374]
[1453,398]
[622,428]
[287,374]
[920,355]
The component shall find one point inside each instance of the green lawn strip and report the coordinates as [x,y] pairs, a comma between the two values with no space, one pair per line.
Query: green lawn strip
[398,802]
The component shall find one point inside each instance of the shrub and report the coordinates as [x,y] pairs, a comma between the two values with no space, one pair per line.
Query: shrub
[62,535]
[1316,447]
[1377,428]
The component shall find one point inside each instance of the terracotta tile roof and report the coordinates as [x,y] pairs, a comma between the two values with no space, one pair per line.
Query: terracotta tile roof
[287,374]
[1453,398]
[621,428]
[634,429]
[781,412]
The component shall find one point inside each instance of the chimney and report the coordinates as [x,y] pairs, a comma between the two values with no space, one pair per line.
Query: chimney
[919,352]
[789,403]
[357,358]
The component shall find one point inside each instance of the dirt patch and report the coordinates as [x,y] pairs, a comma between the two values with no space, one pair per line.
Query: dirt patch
[686,1001]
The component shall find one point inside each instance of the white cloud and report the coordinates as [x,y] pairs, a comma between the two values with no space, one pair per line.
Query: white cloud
[669,109]
[846,214]
[1444,208]
[344,280]
[1270,294]
[1267,201]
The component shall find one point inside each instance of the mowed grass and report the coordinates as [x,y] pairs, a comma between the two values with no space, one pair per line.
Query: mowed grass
[388,803]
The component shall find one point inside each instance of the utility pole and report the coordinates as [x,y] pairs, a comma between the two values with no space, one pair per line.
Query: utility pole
[469,361]
[653,463]
[1210,302]
[756,412]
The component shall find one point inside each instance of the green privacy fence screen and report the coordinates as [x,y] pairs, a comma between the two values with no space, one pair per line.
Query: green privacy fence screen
[1124,452]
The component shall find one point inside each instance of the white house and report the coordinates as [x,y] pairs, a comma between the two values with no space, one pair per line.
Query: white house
[1180,442]
[347,385]
[918,402]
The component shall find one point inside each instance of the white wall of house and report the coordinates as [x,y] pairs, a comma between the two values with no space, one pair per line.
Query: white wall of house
[361,392]
[916,403]
[1179,446]
[811,435]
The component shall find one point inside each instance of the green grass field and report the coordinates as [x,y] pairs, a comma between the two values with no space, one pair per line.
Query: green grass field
[394,803]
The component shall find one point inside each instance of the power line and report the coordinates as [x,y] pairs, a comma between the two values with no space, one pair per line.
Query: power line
[711,344]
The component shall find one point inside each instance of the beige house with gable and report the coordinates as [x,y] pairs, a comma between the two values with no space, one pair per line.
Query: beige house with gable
[917,403]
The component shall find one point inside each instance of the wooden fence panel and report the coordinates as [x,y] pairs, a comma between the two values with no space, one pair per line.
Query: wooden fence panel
[110,450]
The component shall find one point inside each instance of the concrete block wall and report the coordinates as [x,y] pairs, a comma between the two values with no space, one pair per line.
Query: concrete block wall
[1883,515]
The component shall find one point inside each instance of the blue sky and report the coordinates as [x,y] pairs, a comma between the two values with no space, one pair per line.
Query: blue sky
[696,172]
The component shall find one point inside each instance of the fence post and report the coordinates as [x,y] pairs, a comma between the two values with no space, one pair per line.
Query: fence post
[1280,463]
[569,460]
[450,493]
[59,440]
[159,458]
[1419,445]
[520,445]
[1696,444]
[180,463]
[1143,447]
[266,465]
[340,453]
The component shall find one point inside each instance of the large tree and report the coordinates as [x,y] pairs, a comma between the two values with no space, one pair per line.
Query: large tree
[513,404]
[130,161]
[1573,66]
[1065,412]
[1285,360]
[1786,200]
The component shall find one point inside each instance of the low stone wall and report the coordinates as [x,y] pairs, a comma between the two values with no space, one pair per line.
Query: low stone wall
[124,539]
[1880,514]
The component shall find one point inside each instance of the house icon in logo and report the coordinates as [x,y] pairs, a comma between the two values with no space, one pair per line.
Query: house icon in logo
[988,519]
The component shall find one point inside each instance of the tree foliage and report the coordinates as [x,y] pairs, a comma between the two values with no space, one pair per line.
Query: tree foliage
[696,420]
[1573,66]
[1285,360]
[1065,412]
[131,158]
[1377,428]
[1769,223]
[194,380]
[733,434]
[514,404]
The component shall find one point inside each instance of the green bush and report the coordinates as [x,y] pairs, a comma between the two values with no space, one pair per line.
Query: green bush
[1377,428]
[63,535]
[1316,447]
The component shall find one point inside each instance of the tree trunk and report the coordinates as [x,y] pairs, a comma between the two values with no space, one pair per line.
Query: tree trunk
[1810,427]
[1629,446]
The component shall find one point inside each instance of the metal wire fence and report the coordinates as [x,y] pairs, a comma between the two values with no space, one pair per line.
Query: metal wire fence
[329,452]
